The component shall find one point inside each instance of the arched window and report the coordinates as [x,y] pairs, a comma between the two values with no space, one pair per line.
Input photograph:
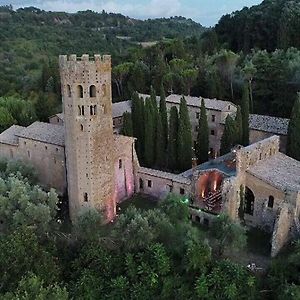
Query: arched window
[82,110]
[79,110]
[271,202]
[91,110]
[249,201]
[92,91]
[69,90]
[80,91]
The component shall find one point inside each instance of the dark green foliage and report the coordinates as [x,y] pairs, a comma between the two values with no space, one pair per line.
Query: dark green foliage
[229,136]
[164,115]
[270,25]
[239,126]
[226,281]
[160,152]
[293,141]
[202,138]
[245,115]
[173,136]
[242,203]
[33,287]
[15,167]
[184,138]
[14,110]
[149,154]
[138,125]
[228,234]
[20,252]
[283,277]
[127,124]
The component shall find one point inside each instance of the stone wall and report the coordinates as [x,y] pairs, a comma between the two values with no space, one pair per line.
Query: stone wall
[56,120]
[249,156]
[9,151]
[90,148]
[282,230]
[256,136]
[124,167]
[263,216]
[48,160]
[159,184]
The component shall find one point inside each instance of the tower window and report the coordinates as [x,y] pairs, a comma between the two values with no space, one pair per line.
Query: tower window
[91,110]
[213,118]
[149,183]
[28,153]
[95,110]
[81,127]
[271,202]
[69,90]
[120,163]
[82,110]
[92,91]
[212,132]
[85,197]
[80,91]
[197,115]
[182,191]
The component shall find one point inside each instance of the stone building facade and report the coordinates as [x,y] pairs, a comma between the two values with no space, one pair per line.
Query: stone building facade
[80,151]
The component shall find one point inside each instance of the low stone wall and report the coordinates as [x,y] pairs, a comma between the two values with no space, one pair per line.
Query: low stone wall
[159,184]
[202,217]
[249,156]
[282,230]
[256,136]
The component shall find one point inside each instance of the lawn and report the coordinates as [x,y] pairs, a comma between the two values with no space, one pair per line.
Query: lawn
[139,201]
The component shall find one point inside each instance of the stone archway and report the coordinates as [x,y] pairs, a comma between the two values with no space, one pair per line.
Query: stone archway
[249,201]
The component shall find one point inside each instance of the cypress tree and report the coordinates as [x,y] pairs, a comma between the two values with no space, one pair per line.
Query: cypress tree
[138,123]
[127,124]
[245,115]
[149,134]
[293,139]
[202,138]
[173,135]
[184,138]
[160,153]
[228,137]
[163,115]
[153,96]
[239,126]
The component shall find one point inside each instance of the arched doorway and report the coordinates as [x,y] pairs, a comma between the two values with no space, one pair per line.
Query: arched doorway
[249,201]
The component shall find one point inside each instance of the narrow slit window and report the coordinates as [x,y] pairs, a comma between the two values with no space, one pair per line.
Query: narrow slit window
[69,90]
[85,197]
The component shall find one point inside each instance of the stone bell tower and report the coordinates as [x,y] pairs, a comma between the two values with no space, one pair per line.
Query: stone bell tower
[89,142]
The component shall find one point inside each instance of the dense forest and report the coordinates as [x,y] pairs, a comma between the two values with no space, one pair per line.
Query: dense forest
[271,25]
